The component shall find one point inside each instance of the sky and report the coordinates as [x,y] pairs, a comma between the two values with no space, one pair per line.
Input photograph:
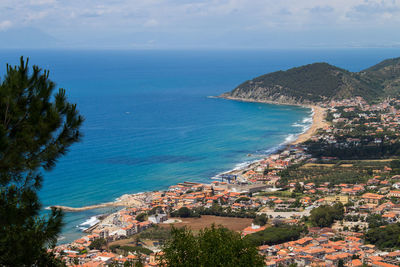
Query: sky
[203,24]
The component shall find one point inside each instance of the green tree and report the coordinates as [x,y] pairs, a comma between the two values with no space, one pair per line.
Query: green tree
[260,220]
[98,243]
[296,204]
[156,210]
[141,217]
[298,188]
[325,215]
[184,212]
[276,235]
[37,126]
[386,237]
[215,246]
[182,249]
[375,220]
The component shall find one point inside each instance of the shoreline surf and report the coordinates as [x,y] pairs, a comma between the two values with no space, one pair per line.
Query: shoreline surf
[316,119]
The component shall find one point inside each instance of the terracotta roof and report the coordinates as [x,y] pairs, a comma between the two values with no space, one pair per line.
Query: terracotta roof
[383,264]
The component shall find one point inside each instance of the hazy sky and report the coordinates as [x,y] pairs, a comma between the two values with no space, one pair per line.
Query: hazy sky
[174,24]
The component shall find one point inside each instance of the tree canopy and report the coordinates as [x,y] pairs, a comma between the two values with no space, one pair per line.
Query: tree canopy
[384,237]
[325,215]
[276,235]
[260,220]
[98,243]
[37,126]
[215,246]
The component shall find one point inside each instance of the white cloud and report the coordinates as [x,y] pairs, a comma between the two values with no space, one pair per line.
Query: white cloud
[4,25]
[42,2]
[157,19]
[151,23]
[34,16]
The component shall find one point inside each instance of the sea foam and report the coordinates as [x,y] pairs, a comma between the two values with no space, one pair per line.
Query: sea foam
[305,124]
[88,223]
[307,120]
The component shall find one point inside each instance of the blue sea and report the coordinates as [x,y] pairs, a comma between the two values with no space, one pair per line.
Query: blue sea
[149,121]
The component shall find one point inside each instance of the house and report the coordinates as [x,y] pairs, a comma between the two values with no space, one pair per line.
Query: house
[334,259]
[158,218]
[102,233]
[390,217]
[356,263]
[372,198]
[336,199]
[252,229]
[305,200]
[105,257]
[382,264]
[394,193]
[144,225]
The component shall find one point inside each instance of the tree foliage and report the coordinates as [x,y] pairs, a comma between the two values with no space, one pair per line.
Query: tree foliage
[260,220]
[36,128]
[141,217]
[375,220]
[215,246]
[98,243]
[325,215]
[276,235]
[155,233]
[184,212]
[385,237]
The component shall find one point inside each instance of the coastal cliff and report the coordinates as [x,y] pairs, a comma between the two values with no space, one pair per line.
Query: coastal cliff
[320,82]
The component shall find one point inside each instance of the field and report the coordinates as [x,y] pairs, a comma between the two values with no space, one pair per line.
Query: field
[235,224]
[337,171]
[314,165]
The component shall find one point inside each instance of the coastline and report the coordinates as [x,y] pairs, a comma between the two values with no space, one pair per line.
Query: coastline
[318,122]
[318,117]
[125,200]
[122,201]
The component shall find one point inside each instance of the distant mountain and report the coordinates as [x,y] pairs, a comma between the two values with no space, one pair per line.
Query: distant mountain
[320,82]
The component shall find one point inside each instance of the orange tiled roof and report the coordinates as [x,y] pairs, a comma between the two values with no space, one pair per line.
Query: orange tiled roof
[383,264]
[372,196]
[356,263]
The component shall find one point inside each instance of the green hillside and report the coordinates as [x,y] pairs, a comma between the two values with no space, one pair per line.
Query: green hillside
[321,82]
[385,74]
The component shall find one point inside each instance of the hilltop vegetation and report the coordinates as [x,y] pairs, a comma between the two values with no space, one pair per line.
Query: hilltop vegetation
[320,82]
[215,246]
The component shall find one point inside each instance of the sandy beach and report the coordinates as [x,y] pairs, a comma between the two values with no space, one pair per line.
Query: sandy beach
[318,122]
